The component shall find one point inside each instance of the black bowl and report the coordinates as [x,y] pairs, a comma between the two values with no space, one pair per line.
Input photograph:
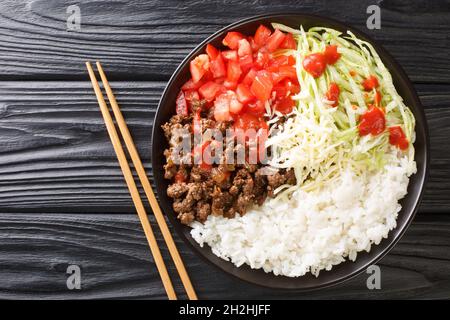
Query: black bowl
[345,270]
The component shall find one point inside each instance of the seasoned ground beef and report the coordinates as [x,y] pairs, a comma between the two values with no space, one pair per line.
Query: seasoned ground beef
[225,189]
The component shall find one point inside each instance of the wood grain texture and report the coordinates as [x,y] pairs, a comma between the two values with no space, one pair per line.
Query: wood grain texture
[62,196]
[115,262]
[147,39]
[55,151]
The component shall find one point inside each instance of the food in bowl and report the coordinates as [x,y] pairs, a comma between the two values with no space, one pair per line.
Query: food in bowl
[325,145]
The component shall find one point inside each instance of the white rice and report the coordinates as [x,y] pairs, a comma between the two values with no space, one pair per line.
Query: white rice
[313,230]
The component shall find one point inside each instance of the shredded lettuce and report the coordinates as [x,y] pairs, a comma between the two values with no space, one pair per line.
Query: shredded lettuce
[319,141]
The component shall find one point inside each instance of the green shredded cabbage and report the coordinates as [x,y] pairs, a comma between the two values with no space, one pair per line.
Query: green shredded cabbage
[320,141]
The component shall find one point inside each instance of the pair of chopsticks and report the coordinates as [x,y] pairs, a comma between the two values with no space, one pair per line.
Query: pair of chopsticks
[123,162]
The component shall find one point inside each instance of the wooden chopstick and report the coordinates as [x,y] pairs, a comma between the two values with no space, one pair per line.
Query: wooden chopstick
[147,187]
[132,187]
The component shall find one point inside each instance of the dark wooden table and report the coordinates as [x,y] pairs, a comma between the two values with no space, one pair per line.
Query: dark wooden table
[63,200]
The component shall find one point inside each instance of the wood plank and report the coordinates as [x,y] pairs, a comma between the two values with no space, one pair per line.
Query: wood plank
[55,152]
[146,40]
[115,262]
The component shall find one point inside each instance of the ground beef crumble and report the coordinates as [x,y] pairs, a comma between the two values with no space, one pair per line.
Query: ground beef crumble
[223,190]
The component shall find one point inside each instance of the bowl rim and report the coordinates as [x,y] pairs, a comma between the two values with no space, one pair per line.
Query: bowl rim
[416,101]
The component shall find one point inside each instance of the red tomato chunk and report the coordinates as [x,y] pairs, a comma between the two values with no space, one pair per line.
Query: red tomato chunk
[262,35]
[315,63]
[199,66]
[209,90]
[370,83]
[232,38]
[241,80]
[398,138]
[372,122]
[212,51]
[217,67]
[333,94]
[262,85]
[275,40]
[331,55]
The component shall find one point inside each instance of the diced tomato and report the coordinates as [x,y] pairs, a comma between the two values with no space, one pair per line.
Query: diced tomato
[249,77]
[181,105]
[191,85]
[275,40]
[191,96]
[244,48]
[287,72]
[370,83]
[209,90]
[256,107]
[273,67]
[292,87]
[220,80]
[331,55]
[377,98]
[230,55]
[230,85]
[262,85]
[314,64]
[333,94]
[246,62]
[289,42]
[205,166]
[262,59]
[180,177]
[232,38]
[247,121]
[217,67]
[291,61]
[395,134]
[199,66]
[284,105]
[372,121]
[274,75]
[241,80]
[244,93]
[208,76]
[222,108]
[253,44]
[283,60]
[235,105]
[280,91]
[403,144]
[233,71]
[212,51]
[398,138]
[262,34]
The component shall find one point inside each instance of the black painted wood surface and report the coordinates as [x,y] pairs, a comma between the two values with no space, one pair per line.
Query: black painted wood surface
[62,196]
